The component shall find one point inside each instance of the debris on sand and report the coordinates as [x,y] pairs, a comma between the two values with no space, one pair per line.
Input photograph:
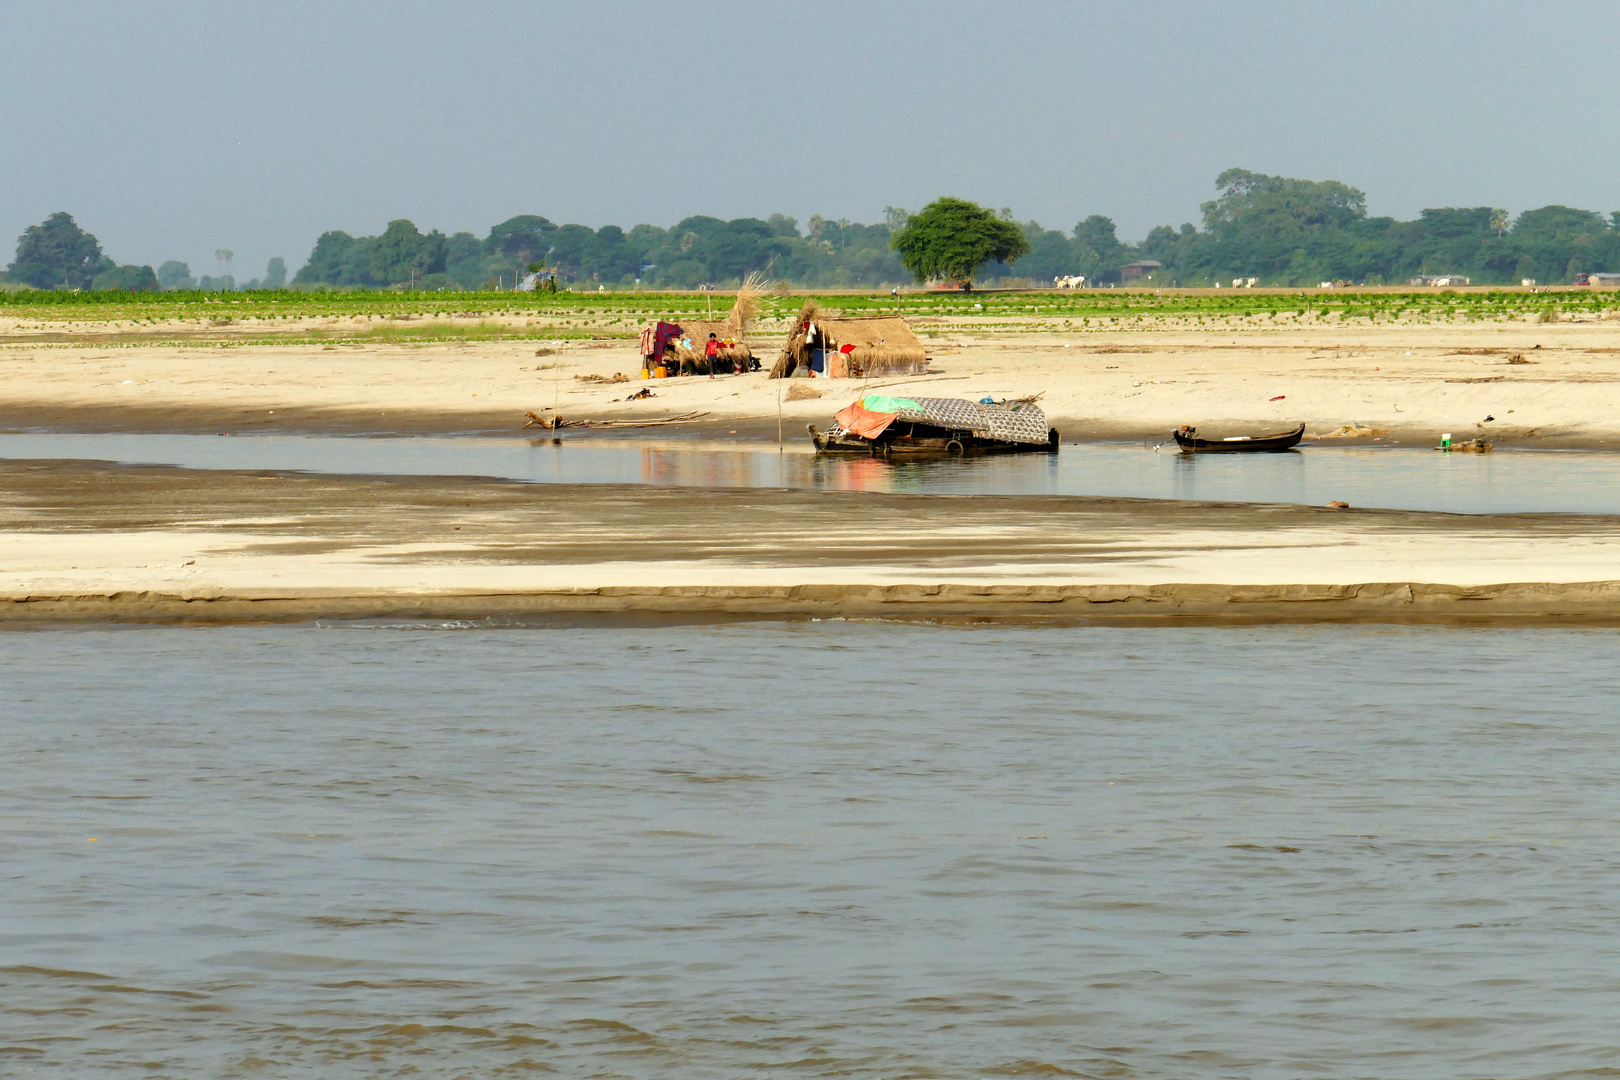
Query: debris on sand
[801,392]
[1351,430]
[552,423]
[1471,446]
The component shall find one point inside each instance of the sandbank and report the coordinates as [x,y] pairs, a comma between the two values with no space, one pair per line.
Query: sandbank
[1519,383]
[87,541]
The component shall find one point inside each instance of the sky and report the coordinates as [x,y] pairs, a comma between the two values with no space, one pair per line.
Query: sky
[172,128]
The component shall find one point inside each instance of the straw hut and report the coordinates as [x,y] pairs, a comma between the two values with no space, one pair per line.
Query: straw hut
[850,348]
[697,332]
[691,343]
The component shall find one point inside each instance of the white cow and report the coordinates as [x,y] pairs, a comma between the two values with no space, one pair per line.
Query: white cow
[1076,281]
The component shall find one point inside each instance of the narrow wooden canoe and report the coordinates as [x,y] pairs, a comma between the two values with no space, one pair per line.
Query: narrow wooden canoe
[1187,438]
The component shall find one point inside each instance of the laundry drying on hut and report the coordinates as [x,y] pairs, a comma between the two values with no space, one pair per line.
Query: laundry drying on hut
[882,426]
[1188,439]
[670,348]
[682,349]
[826,347]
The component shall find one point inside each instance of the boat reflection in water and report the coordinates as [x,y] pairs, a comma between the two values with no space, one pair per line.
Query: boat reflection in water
[670,466]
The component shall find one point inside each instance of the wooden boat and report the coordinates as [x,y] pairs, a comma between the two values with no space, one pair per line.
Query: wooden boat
[883,426]
[1187,438]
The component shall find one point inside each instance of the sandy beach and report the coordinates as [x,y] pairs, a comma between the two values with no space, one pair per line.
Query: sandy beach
[1552,385]
[87,541]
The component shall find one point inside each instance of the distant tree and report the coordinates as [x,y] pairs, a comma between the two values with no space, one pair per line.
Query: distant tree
[57,252]
[224,256]
[126,279]
[1279,206]
[275,273]
[1561,241]
[403,256]
[608,255]
[951,238]
[895,218]
[338,259]
[521,239]
[467,262]
[175,274]
[568,248]
[1098,254]
[782,225]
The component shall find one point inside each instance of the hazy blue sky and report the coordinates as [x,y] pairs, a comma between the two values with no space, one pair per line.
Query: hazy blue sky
[170,128]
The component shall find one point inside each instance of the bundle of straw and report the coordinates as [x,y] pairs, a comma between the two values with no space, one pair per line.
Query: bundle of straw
[747,306]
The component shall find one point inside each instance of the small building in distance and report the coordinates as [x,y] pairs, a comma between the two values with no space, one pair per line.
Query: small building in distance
[1138,270]
[1442,281]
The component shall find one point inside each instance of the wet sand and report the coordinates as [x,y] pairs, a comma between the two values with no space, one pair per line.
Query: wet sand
[88,541]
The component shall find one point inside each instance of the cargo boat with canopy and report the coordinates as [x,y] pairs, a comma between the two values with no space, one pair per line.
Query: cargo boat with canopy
[882,426]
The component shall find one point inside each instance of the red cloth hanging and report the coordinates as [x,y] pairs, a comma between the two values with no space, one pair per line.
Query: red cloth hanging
[856,419]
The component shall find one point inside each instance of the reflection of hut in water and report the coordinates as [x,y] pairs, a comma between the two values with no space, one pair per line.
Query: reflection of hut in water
[850,348]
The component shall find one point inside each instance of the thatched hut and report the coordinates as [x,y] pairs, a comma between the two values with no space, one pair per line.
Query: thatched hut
[697,331]
[850,348]
[688,339]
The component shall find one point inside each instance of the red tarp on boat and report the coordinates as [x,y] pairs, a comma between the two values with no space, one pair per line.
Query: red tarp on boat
[857,420]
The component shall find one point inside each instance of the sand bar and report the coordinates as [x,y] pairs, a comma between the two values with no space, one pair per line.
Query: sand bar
[1409,382]
[88,541]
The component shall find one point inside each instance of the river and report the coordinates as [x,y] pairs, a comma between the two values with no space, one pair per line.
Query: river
[808,849]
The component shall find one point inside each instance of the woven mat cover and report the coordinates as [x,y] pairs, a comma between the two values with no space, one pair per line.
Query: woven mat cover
[1016,422]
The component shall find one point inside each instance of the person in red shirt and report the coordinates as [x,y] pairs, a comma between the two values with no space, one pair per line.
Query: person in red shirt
[712,352]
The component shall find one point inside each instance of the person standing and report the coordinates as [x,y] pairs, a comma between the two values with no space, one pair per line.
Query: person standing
[712,352]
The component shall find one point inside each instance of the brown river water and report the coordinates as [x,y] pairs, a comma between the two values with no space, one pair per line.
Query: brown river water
[809,849]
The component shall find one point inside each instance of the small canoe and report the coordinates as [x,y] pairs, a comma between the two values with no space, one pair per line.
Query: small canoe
[1187,438]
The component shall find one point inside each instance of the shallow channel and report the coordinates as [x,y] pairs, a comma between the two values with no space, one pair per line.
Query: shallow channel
[1507,481]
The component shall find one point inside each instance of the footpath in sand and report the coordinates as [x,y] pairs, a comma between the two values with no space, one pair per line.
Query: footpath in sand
[1552,384]
[88,541]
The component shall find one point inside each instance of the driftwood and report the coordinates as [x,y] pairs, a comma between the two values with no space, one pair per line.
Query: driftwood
[552,423]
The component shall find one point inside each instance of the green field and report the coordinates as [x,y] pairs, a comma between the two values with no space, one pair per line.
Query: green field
[252,317]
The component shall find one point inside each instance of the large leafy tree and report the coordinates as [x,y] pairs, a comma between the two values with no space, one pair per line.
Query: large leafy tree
[951,238]
[57,252]
[1097,250]
[338,259]
[402,254]
[522,239]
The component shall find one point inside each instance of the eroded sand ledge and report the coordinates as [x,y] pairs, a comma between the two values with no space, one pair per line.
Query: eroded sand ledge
[1393,602]
[100,542]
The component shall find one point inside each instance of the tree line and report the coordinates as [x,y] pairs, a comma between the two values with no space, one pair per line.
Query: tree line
[1282,230]
[696,251]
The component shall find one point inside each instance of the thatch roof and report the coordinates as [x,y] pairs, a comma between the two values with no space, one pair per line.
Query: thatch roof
[884,346]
